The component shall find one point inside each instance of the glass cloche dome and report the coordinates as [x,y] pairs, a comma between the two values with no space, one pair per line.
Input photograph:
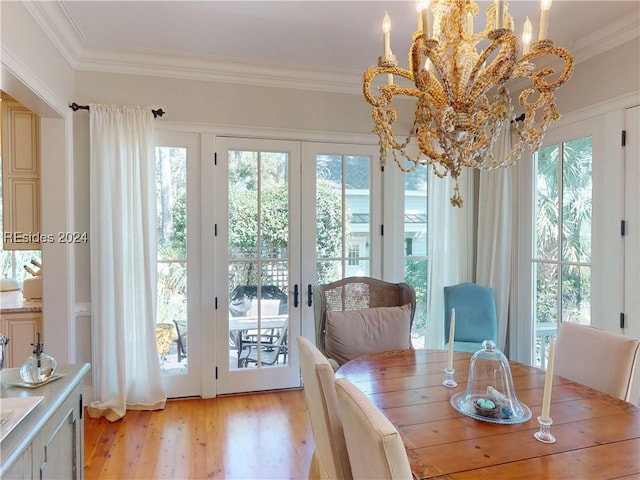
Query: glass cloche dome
[490,395]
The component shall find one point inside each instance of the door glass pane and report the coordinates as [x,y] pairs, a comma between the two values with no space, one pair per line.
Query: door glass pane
[258,259]
[171,317]
[576,294]
[576,200]
[562,253]
[546,214]
[343,216]
[546,309]
[415,247]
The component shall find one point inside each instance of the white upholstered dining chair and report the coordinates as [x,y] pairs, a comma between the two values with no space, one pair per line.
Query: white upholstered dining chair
[597,358]
[375,448]
[330,458]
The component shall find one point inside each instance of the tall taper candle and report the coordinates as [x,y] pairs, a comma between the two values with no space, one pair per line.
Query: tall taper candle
[545,5]
[548,382]
[386,28]
[452,329]
[499,13]
[424,12]
[526,36]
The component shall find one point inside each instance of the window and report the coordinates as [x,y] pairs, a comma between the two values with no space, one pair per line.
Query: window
[354,253]
[415,246]
[562,238]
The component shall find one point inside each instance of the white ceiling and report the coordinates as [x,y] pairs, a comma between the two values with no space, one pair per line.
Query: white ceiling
[322,44]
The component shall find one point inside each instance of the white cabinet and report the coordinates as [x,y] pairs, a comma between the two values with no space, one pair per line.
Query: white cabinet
[21,329]
[57,450]
[20,176]
[49,442]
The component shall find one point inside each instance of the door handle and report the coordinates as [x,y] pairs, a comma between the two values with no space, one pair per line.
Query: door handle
[309,295]
[296,294]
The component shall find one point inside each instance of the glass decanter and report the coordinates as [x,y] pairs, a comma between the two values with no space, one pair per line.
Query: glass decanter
[39,367]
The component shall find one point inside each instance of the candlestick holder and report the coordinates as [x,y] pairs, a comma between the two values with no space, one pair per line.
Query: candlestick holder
[544,435]
[449,381]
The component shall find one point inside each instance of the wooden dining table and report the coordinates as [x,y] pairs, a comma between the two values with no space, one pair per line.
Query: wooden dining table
[597,436]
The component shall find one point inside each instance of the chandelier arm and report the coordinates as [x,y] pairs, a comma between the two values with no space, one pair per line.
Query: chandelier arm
[425,48]
[500,70]
[417,51]
[387,92]
[443,92]
[524,67]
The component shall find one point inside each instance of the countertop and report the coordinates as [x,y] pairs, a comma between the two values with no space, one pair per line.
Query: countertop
[14,302]
[54,394]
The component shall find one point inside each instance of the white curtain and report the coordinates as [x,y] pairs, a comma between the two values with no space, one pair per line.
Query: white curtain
[495,233]
[450,236]
[123,262]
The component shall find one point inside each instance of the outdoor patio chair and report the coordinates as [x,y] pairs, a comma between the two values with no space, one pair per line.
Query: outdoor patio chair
[272,351]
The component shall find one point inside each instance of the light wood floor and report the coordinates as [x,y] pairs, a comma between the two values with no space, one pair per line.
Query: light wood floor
[257,436]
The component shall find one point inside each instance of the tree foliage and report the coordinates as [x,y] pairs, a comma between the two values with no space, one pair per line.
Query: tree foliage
[563,230]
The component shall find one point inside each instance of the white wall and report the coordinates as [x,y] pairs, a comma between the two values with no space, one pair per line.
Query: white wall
[35,74]
[609,75]
[27,49]
[204,105]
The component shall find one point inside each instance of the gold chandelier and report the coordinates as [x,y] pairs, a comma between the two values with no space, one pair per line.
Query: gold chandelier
[460,86]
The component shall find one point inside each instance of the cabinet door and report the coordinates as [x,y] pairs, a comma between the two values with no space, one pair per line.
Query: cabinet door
[23,467]
[20,177]
[59,449]
[21,330]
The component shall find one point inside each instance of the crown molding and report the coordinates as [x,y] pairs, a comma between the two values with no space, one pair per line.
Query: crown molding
[56,24]
[221,70]
[606,38]
[12,67]
[291,134]
[54,20]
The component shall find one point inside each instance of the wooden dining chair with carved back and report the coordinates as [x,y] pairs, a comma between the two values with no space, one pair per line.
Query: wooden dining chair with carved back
[355,316]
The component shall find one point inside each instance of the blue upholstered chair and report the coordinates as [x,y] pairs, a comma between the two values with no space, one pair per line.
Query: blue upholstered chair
[476,319]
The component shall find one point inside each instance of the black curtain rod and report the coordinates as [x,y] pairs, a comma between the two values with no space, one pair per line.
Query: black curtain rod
[75,107]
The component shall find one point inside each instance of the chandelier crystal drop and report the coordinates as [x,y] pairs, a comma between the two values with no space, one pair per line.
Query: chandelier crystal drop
[459,81]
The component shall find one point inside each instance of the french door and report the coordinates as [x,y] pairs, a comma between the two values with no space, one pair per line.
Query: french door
[341,228]
[632,237]
[257,245]
[178,325]
[632,216]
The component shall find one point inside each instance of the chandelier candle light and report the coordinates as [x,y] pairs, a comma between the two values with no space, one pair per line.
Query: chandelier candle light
[459,81]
